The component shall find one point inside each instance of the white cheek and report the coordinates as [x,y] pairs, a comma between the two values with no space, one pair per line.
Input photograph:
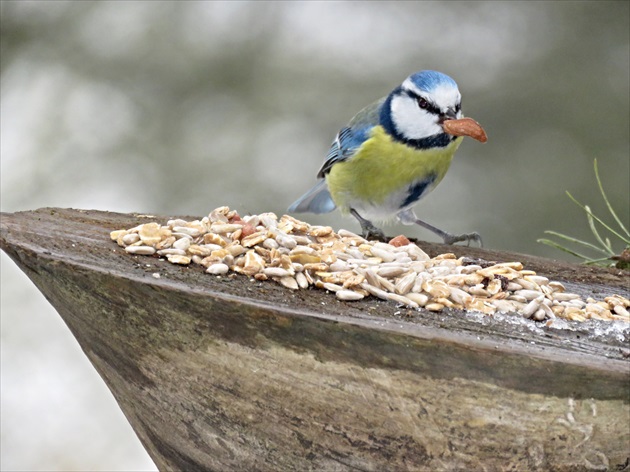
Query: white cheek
[411,121]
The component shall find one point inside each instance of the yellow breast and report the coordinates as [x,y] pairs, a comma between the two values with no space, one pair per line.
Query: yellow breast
[382,166]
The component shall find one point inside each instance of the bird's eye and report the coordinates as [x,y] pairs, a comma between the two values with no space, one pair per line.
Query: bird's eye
[458,107]
[422,103]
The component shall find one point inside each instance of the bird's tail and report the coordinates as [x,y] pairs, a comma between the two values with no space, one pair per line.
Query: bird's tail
[316,200]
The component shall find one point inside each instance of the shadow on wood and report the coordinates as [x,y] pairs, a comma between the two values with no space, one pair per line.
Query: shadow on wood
[229,374]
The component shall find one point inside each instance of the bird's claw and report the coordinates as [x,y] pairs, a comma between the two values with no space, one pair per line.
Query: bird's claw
[374,233]
[369,231]
[468,237]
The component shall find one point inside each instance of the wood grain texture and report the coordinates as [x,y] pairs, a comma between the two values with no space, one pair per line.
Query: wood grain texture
[229,374]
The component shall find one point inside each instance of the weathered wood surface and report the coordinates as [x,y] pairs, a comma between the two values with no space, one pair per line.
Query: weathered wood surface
[228,374]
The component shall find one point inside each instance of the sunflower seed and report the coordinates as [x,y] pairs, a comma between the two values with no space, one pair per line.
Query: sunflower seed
[140,250]
[459,296]
[222,228]
[301,280]
[289,282]
[386,256]
[298,255]
[391,272]
[621,311]
[182,244]
[286,241]
[532,306]
[193,232]
[401,299]
[419,298]
[528,294]
[218,269]
[348,295]
[504,306]
[177,259]
[171,252]
[405,284]
[332,287]
[131,238]
[276,272]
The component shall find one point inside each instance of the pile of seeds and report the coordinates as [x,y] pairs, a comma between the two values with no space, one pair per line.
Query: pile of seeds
[298,255]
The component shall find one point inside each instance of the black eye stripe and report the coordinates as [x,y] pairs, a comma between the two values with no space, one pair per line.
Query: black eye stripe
[431,108]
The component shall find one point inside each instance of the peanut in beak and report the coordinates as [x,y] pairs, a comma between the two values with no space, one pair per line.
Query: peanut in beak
[465,127]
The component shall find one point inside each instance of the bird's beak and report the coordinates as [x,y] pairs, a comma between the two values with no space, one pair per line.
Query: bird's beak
[465,127]
[450,114]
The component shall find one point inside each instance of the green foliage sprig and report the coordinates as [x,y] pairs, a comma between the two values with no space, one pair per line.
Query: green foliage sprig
[602,245]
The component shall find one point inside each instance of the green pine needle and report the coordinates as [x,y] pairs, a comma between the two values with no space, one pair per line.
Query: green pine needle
[610,208]
[578,241]
[554,244]
[604,245]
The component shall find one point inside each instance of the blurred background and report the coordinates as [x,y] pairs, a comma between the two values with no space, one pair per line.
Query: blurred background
[179,107]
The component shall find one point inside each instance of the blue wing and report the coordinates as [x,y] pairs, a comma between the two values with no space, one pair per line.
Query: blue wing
[347,141]
[345,144]
[350,138]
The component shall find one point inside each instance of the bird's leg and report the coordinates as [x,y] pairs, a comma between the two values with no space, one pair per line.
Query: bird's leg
[408,217]
[369,230]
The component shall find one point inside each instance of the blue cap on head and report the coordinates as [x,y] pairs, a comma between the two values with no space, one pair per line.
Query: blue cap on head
[428,80]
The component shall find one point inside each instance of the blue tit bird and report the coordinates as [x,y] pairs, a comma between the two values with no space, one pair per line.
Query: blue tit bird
[393,153]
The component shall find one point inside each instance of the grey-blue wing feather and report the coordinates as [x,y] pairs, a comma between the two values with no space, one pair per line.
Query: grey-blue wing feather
[352,136]
[349,138]
[340,149]
[316,200]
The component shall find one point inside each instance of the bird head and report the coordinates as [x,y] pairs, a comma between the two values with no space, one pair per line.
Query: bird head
[416,111]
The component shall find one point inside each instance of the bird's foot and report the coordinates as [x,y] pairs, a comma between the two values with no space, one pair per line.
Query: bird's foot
[449,238]
[369,231]
[373,233]
[408,217]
